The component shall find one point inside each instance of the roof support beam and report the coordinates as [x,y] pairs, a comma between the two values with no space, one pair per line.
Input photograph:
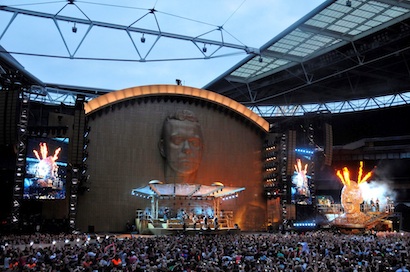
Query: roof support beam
[277,55]
[397,3]
[217,188]
[154,189]
[248,50]
[197,187]
[325,32]
[236,79]
[330,75]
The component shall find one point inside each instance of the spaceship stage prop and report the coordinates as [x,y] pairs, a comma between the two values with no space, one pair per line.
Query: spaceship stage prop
[187,200]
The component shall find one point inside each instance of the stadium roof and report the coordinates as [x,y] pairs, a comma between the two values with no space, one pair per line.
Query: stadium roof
[345,55]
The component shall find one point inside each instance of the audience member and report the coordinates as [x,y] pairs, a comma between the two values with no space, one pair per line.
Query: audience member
[310,251]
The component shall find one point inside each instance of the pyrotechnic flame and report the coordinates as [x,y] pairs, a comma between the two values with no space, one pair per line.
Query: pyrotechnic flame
[298,167]
[359,176]
[345,177]
[56,152]
[366,177]
[44,152]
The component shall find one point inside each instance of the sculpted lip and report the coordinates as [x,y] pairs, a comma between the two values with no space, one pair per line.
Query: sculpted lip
[185,162]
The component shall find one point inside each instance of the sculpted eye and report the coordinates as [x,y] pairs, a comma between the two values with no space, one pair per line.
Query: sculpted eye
[195,142]
[177,140]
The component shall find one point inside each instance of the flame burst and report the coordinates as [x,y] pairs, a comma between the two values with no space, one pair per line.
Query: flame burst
[345,175]
[298,167]
[47,166]
[44,152]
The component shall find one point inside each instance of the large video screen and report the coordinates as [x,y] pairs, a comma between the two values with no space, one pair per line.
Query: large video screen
[46,168]
[301,178]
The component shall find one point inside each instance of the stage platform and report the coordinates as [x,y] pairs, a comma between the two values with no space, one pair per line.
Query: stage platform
[178,226]
[192,231]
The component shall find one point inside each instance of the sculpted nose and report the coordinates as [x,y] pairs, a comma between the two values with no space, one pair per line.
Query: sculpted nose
[186,147]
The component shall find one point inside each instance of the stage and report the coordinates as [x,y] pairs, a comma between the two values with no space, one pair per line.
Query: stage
[192,231]
[177,226]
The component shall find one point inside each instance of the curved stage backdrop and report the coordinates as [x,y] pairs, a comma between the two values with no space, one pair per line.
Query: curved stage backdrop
[123,153]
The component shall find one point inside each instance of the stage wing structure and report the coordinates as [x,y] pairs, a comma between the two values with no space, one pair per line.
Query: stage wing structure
[187,191]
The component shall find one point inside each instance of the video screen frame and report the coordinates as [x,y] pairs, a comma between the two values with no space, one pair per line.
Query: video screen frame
[301,179]
[46,168]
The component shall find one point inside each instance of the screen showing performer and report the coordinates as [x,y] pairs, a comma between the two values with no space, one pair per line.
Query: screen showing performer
[46,164]
[301,179]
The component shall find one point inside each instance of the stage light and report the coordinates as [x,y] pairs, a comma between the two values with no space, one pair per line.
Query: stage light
[204,49]
[217,183]
[348,3]
[74,29]
[142,38]
[87,132]
[260,59]
[155,181]
[304,151]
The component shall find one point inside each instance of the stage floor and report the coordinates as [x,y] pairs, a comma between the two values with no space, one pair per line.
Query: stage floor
[192,231]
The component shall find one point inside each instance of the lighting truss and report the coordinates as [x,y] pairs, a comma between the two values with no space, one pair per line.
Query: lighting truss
[198,41]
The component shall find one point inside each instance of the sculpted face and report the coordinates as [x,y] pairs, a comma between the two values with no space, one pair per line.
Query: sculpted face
[351,198]
[182,147]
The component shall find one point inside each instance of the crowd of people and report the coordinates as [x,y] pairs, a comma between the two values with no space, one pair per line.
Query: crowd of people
[309,251]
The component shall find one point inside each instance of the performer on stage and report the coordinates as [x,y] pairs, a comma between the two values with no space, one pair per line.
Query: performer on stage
[195,220]
[216,223]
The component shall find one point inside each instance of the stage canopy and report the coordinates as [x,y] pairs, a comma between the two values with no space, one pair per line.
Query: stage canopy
[159,190]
